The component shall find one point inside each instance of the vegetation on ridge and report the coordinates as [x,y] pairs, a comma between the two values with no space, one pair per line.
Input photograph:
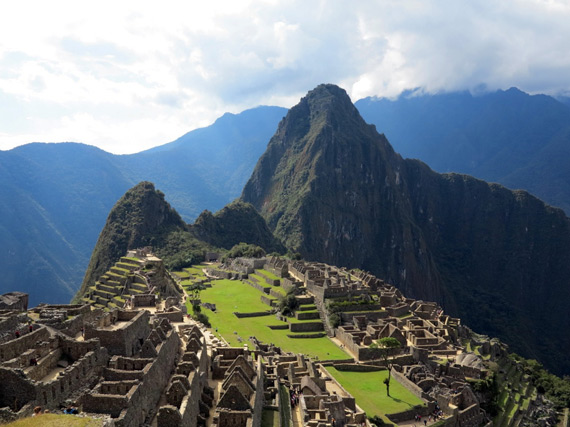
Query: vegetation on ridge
[142,217]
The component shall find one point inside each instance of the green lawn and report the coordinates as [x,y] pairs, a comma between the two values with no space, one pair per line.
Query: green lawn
[54,420]
[233,295]
[268,274]
[269,418]
[196,270]
[370,392]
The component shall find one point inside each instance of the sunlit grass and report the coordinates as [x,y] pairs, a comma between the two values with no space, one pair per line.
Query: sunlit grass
[55,420]
[232,295]
[370,392]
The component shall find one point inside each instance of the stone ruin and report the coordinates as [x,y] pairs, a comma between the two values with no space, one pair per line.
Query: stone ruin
[139,366]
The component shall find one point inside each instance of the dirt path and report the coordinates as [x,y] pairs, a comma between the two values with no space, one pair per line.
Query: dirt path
[297,421]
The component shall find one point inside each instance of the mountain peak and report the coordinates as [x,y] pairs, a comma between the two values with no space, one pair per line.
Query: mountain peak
[328,92]
[328,102]
[136,220]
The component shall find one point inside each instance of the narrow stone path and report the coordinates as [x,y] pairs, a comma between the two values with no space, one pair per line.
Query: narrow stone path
[297,421]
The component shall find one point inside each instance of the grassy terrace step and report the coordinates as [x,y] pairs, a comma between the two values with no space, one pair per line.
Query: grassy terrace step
[307,307]
[127,267]
[307,315]
[267,274]
[119,301]
[139,286]
[109,288]
[113,275]
[104,294]
[119,271]
[181,274]
[279,290]
[273,302]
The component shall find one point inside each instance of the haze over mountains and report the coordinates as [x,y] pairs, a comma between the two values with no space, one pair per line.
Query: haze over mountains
[58,196]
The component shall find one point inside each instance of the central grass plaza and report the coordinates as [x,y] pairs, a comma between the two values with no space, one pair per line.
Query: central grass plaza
[231,296]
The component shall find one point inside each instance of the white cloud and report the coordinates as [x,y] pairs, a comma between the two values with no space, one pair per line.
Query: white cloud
[129,75]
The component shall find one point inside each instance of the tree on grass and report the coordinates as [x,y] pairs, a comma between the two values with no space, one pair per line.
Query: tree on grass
[194,289]
[387,344]
[288,304]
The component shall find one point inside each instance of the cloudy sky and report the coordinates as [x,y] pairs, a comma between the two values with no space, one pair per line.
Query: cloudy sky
[126,76]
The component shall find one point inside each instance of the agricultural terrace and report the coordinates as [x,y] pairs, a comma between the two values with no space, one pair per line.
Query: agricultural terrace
[231,296]
[370,392]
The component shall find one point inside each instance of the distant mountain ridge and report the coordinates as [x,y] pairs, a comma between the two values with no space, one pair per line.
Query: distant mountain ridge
[56,197]
[509,137]
[333,189]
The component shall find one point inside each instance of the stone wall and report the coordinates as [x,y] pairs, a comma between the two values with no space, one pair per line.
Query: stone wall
[252,314]
[352,367]
[306,327]
[313,335]
[17,346]
[358,307]
[45,365]
[173,316]
[144,396]
[72,327]
[259,286]
[471,416]
[267,300]
[258,403]
[413,388]
[186,413]
[371,316]
[14,301]
[145,300]
[127,339]
[15,389]
[275,293]
[73,377]
[424,411]
[290,285]
[307,315]
[10,320]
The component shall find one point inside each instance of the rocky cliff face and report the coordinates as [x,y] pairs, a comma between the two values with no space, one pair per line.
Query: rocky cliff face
[333,189]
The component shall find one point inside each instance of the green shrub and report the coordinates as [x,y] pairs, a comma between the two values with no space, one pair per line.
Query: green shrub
[288,304]
[334,320]
[201,317]
[244,250]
